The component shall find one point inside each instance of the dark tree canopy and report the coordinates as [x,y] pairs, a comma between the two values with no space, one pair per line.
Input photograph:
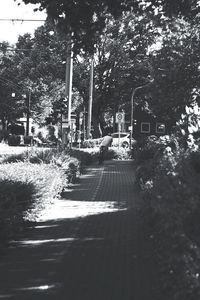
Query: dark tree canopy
[86,19]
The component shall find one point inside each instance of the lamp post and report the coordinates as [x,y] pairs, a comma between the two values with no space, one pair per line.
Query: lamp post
[68,87]
[132,107]
[90,98]
[132,104]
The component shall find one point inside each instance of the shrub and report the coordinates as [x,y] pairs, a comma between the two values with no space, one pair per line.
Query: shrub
[92,143]
[170,178]
[15,197]
[14,158]
[71,168]
[84,157]
[119,153]
[41,136]
[24,189]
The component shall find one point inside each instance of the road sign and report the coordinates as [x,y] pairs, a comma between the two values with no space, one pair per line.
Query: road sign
[65,124]
[120,117]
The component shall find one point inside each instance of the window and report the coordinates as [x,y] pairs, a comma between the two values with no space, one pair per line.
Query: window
[145,127]
[116,135]
[123,134]
[160,128]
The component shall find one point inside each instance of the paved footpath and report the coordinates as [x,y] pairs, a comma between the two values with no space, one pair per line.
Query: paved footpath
[87,245]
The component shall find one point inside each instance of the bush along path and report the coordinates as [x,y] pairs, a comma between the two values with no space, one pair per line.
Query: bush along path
[27,181]
[169,177]
[91,243]
[30,178]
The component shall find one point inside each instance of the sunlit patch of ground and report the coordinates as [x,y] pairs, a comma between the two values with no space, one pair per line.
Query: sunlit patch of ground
[40,287]
[68,209]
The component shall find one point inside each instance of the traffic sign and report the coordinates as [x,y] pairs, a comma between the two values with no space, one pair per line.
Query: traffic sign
[120,117]
[65,124]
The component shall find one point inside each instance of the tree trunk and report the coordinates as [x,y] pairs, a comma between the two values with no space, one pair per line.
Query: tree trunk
[97,130]
[3,124]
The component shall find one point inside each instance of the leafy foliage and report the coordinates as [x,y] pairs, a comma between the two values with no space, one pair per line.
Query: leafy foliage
[176,68]
[87,19]
[169,178]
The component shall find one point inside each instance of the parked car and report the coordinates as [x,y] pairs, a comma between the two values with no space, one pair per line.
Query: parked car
[124,139]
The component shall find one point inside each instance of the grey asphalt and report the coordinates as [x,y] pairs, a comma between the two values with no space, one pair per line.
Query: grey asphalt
[90,245]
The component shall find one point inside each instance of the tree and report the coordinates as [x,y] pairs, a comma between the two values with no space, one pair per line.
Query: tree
[176,69]
[39,67]
[121,63]
[87,19]
[10,89]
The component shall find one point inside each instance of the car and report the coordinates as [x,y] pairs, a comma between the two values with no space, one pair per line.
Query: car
[124,140]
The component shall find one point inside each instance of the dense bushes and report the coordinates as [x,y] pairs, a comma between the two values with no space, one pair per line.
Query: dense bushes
[169,177]
[13,202]
[27,179]
[64,160]
[92,143]
[24,185]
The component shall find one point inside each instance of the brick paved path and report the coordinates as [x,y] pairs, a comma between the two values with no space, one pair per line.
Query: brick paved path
[88,245]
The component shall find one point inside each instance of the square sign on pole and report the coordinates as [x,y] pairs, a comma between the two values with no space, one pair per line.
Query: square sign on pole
[120,117]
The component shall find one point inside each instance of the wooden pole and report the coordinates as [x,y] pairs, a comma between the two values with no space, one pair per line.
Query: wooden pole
[68,82]
[90,98]
[28,113]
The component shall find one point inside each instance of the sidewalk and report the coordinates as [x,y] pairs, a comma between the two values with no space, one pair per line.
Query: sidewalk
[88,245]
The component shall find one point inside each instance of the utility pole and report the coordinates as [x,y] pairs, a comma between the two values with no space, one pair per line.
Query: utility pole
[84,113]
[90,98]
[28,112]
[68,84]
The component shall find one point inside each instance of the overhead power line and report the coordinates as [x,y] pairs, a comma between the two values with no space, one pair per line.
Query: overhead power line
[13,49]
[24,20]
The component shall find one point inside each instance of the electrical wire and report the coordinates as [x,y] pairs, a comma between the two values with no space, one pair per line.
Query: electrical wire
[9,83]
[23,20]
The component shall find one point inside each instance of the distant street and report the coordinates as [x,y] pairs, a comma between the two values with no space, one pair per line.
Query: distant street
[88,245]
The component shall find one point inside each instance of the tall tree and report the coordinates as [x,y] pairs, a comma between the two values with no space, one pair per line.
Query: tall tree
[87,19]
[10,89]
[176,68]
[121,63]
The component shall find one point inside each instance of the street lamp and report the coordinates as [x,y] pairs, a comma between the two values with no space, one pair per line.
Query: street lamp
[132,104]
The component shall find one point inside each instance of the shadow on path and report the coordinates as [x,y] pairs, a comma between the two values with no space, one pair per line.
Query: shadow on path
[90,244]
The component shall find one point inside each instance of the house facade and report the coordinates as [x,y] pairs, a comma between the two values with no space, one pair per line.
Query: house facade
[145,124]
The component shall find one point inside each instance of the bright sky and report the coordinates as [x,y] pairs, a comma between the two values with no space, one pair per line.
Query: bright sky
[10,30]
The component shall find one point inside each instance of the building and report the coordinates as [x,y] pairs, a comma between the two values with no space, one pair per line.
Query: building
[146,124]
